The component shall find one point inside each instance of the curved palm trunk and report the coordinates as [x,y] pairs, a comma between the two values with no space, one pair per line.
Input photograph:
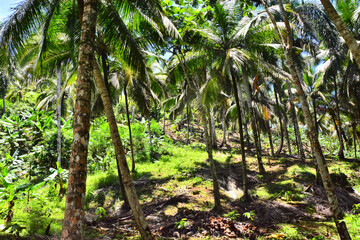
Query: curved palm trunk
[295,122]
[121,159]
[58,114]
[74,211]
[130,135]
[328,185]
[242,142]
[280,123]
[343,30]
[253,121]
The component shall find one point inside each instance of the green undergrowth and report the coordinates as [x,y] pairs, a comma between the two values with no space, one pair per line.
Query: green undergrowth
[185,170]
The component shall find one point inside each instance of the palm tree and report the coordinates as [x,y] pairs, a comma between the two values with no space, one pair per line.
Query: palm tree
[287,45]
[225,42]
[74,212]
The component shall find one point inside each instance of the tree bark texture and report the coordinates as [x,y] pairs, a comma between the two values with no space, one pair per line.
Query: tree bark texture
[136,209]
[74,211]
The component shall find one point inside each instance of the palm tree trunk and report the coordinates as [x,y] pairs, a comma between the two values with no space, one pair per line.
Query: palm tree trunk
[213,132]
[253,121]
[4,105]
[243,111]
[149,129]
[354,138]
[188,124]
[224,127]
[130,135]
[315,116]
[58,114]
[121,159]
[328,185]
[164,122]
[338,125]
[209,149]
[295,122]
[74,210]
[270,137]
[343,30]
[287,135]
[280,123]
[242,141]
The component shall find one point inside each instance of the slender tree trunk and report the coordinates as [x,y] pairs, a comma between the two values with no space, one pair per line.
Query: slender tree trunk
[354,138]
[280,123]
[164,125]
[315,116]
[149,129]
[286,128]
[253,121]
[224,127]
[295,122]
[120,157]
[4,105]
[347,35]
[270,137]
[209,149]
[287,135]
[188,124]
[243,112]
[328,185]
[242,141]
[74,210]
[338,123]
[213,132]
[130,135]
[58,113]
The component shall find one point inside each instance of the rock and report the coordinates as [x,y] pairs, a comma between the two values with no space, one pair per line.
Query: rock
[190,233]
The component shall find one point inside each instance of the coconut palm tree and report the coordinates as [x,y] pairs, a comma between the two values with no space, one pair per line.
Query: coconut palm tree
[225,43]
[287,45]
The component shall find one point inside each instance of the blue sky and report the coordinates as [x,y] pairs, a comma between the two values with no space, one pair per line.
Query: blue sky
[5,6]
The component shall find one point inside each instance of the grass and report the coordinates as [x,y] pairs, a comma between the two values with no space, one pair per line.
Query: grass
[184,170]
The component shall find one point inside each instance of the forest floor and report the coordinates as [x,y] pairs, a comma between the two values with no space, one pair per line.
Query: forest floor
[176,194]
[286,202]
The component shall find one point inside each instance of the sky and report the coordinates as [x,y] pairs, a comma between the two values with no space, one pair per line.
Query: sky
[5,6]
